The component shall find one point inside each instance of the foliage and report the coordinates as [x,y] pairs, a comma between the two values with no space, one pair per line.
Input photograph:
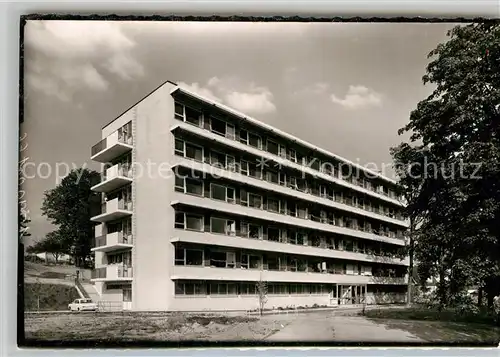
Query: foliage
[450,172]
[70,206]
[261,287]
[433,314]
[53,243]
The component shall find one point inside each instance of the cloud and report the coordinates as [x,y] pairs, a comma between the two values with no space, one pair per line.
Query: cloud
[246,97]
[314,89]
[358,97]
[64,57]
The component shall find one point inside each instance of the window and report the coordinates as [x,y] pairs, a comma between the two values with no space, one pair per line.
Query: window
[223,259]
[185,256]
[189,288]
[248,289]
[255,261]
[302,212]
[244,137]
[283,207]
[188,221]
[194,186]
[292,155]
[282,178]
[292,183]
[223,226]
[300,238]
[222,193]
[254,140]
[179,111]
[273,205]
[243,197]
[192,116]
[218,126]
[272,147]
[255,201]
[272,176]
[217,159]
[223,289]
[194,152]
[179,147]
[180,220]
[230,131]
[231,163]
[282,151]
[273,234]
[251,230]
[244,167]
[179,184]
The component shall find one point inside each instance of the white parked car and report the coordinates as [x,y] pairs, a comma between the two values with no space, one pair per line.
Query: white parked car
[83,305]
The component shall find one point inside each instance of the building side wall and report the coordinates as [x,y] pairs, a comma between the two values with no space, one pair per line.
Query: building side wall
[154,215]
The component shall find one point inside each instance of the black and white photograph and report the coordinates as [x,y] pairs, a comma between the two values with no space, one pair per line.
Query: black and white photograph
[259,182]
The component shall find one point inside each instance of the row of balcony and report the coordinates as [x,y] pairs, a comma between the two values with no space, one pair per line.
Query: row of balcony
[353,183]
[255,179]
[119,272]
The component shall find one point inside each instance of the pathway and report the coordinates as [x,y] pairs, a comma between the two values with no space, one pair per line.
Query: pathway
[328,327]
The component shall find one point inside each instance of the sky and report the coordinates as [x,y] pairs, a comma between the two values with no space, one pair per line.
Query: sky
[345,87]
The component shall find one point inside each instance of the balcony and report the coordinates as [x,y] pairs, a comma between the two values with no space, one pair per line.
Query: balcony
[229,208]
[207,238]
[337,203]
[112,241]
[114,272]
[113,178]
[111,147]
[235,274]
[114,209]
[236,145]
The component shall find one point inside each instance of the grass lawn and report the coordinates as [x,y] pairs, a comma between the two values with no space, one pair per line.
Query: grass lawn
[48,296]
[445,326]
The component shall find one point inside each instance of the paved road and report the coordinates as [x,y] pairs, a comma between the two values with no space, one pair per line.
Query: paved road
[328,327]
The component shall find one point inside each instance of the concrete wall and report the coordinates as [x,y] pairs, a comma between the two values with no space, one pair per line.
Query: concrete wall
[154,215]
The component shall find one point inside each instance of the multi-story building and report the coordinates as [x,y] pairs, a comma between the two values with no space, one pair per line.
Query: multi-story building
[201,202]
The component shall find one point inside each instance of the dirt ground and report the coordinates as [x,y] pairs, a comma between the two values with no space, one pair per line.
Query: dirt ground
[155,327]
[314,326]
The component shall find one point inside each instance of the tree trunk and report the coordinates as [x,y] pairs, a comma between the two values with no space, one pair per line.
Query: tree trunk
[479,297]
[410,267]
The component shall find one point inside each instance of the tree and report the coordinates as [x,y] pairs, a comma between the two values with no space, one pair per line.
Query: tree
[410,182]
[457,128]
[261,287]
[70,206]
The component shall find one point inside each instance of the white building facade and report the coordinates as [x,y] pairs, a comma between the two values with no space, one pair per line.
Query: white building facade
[200,202]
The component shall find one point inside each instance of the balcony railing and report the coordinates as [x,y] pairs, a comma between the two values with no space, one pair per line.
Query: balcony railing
[99,273]
[113,238]
[112,271]
[122,170]
[100,146]
[259,174]
[124,205]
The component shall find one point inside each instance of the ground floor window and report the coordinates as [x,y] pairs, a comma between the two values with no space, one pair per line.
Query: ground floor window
[250,288]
